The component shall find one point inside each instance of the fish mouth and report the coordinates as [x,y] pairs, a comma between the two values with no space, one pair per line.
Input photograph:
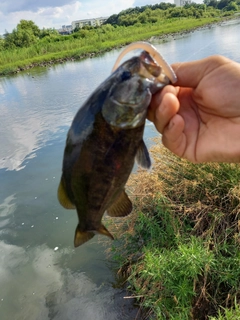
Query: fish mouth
[167,74]
[151,70]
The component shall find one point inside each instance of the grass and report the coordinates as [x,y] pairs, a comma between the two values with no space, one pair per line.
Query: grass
[179,251]
[228,314]
[94,41]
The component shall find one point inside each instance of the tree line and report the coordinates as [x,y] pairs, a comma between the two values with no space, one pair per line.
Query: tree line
[152,13]
[27,33]
[223,4]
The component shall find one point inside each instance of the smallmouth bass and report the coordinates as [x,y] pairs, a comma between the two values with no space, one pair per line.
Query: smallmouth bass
[104,140]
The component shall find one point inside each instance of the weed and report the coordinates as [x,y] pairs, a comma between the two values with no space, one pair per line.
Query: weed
[179,251]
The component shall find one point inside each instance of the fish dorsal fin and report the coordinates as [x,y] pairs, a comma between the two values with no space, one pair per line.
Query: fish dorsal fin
[63,197]
[122,207]
[85,235]
[142,156]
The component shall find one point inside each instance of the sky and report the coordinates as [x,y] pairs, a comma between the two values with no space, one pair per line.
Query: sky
[55,13]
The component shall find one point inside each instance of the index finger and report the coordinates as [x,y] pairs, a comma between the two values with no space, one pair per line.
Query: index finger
[189,74]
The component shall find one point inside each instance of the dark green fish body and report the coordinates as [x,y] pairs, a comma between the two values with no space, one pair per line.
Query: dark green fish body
[105,138]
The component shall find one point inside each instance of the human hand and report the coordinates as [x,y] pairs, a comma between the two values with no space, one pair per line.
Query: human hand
[200,118]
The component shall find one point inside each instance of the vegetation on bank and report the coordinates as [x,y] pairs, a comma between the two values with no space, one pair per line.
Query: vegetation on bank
[27,45]
[179,252]
[152,13]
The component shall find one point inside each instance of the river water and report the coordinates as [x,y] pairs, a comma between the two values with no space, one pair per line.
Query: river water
[41,275]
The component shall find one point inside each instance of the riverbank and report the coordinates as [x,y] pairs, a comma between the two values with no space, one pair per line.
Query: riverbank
[46,54]
[179,251]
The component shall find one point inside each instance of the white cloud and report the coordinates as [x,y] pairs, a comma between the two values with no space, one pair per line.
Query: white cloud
[8,6]
[139,3]
[56,14]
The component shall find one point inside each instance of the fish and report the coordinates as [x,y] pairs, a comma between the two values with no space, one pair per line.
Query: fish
[103,142]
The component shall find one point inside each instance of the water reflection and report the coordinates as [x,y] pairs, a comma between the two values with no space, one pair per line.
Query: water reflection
[33,107]
[7,208]
[43,276]
[54,292]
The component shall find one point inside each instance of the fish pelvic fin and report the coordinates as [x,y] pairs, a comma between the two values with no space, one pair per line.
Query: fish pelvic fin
[122,207]
[82,236]
[63,197]
[142,156]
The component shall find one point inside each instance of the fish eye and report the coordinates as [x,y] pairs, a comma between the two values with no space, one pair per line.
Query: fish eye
[126,75]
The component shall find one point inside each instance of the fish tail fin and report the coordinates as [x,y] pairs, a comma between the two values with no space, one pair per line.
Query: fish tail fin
[83,236]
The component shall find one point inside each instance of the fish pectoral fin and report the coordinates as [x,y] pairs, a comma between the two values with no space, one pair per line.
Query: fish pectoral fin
[63,197]
[122,207]
[142,156]
[83,236]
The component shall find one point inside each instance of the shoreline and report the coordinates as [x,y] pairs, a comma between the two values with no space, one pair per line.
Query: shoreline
[179,34]
[73,57]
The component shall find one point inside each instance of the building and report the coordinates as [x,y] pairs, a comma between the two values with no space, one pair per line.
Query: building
[88,22]
[65,30]
[181,3]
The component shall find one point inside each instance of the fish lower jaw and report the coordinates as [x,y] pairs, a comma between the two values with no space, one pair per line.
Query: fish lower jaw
[137,121]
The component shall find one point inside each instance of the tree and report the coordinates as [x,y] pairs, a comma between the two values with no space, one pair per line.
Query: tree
[9,40]
[232,6]
[143,18]
[30,26]
[165,5]
[113,19]
[23,38]
[222,4]
[1,43]
[24,35]
[48,32]
[106,28]
[213,3]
